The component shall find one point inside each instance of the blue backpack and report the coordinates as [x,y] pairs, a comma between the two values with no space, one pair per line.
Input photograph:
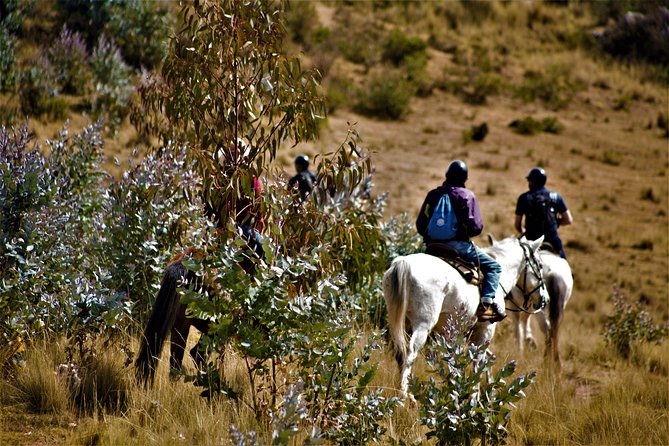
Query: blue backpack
[443,224]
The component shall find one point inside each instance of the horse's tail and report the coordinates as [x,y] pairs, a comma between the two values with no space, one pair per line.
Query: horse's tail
[160,323]
[396,292]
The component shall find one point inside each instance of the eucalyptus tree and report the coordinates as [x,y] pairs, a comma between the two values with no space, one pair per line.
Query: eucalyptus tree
[227,90]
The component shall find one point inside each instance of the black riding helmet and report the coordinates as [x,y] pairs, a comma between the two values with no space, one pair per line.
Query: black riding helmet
[302,161]
[537,176]
[457,171]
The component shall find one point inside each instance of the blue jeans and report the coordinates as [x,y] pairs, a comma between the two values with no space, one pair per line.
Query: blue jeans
[489,267]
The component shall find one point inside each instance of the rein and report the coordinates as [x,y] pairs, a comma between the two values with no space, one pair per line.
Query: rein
[538,272]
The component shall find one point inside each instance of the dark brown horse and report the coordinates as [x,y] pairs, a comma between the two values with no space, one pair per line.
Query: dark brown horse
[169,313]
[169,316]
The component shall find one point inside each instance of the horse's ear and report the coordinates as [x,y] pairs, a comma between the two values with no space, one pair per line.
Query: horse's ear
[536,244]
[491,239]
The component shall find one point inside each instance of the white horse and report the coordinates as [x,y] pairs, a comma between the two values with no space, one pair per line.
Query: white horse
[426,290]
[559,283]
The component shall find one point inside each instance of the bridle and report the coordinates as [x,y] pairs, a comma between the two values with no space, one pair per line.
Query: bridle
[534,264]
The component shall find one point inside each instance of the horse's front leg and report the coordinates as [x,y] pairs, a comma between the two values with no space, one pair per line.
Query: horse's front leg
[196,352]
[528,338]
[519,330]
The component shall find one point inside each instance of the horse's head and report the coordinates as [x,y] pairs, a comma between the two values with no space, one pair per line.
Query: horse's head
[530,294]
[522,278]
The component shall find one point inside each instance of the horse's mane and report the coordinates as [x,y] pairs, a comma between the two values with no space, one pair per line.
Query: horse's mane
[501,246]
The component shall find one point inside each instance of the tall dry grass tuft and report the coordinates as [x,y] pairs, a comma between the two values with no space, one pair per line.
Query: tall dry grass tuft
[172,411]
[38,384]
[103,385]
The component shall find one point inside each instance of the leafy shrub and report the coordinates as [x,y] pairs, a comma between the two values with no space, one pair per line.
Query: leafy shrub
[147,213]
[340,93]
[358,51]
[140,29]
[69,58]
[87,17]
[113,90]
[78,256]
[38,90]
[630,324]
[484,85]
[554,87]
[463,399]
[300,19]
[530,126]
[644,245]
[13,12]
[397,47]
[475,133]
[8,72]
[612,157]
[386,96]
[50,209]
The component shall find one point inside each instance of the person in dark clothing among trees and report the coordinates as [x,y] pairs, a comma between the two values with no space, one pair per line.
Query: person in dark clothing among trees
[543,210]
[305,179]
[467,223]
[249,221]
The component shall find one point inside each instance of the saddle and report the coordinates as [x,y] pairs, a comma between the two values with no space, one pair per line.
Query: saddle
[467,270]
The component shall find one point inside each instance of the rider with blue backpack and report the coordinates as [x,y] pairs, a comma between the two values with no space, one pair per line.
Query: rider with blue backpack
[451,215]
[544,211]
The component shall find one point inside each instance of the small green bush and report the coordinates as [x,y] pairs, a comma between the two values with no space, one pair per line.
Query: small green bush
[340,93]
[552,124]
[140,29]
[475,133]
[630,324]
[397,47]
[530,126]
[113,90]
[612,157]
[484,85]
[554,87]
[12,14]
[463,400]
[300,19]
[386,96]
[38,90]
[69,57]
[8,71]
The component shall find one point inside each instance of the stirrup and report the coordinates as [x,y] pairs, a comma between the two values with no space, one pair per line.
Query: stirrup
[487,313]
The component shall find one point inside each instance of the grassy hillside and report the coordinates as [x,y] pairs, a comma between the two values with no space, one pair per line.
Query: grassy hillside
[490,63]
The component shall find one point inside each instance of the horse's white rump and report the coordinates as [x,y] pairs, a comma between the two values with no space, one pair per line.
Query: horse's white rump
[422,289]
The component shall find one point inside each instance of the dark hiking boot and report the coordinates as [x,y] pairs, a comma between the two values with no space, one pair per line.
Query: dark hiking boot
[489,313]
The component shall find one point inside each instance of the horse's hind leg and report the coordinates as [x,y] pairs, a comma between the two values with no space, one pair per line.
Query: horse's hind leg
[418,339]
[556,309]
[178,339]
